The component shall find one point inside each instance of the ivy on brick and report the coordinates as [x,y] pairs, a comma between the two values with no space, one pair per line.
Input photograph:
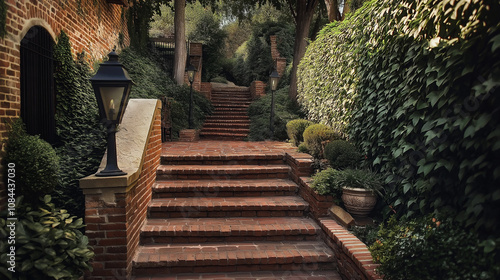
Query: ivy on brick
[81,137]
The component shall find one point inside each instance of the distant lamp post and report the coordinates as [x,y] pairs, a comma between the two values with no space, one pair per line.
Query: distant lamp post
[190,70]
[111,87]
[273,78]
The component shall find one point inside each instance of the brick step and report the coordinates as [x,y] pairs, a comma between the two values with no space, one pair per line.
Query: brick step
[235,116]
[230,105]
[201,230]
[223,188]
[231,89]
[230,110]
[213,124]
[200,207]
[232,257]
[258,158]
[165,172]
[227,97]
[223,137]
[228,121]
[225,130]
[252,275]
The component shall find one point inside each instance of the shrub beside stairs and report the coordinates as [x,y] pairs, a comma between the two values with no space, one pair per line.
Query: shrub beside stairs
[238,215]
[230,119]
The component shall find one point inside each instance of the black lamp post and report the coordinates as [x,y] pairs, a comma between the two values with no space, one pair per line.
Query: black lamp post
[273,78]
[190,72]
[111,87]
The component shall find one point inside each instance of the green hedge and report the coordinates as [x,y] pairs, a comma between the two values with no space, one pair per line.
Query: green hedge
[295,130]
[316,137]
[35,162]
[416,85]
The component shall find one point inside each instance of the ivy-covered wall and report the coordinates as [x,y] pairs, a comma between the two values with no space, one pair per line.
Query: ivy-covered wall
[415,84]
[93,26]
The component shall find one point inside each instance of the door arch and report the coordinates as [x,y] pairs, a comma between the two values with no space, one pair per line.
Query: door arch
[37,83]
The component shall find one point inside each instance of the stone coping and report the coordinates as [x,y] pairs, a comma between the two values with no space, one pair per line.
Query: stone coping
[131,140]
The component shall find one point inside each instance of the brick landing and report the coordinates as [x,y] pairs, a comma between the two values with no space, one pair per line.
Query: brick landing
[229,210]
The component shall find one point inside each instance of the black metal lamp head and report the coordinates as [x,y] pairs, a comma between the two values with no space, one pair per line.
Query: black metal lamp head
[190,71]
[112,88]
[274,79]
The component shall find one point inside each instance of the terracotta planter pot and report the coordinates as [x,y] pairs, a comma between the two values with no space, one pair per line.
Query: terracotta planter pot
[359,202]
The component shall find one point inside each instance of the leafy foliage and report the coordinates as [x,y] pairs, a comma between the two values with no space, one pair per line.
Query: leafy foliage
[49,244]
[260,115]
[342,154]
[208,32]
[81,136]
[152,81]
[416,83]
[36,163]
[316,136]
[328,182]
[361,178]
[295,130]
[139,16]
[257,61]
[427,248]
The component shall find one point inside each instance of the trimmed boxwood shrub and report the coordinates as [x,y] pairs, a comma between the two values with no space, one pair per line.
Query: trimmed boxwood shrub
[36,163]
[49,244]
[316,136]
[328,182]
[295,130]
[342,154]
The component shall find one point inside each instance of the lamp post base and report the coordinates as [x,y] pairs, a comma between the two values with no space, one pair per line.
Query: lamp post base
[106,173]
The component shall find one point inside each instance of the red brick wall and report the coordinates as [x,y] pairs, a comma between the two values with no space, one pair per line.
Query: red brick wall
[113,228]
[92,27]
[257,89]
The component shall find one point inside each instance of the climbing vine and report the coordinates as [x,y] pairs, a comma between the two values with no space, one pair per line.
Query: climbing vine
[415,84]
[139,16]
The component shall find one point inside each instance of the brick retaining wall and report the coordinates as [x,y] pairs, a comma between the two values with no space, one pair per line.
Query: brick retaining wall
[116,207]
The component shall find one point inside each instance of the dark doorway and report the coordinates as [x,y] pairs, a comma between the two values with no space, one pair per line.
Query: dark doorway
[37,83]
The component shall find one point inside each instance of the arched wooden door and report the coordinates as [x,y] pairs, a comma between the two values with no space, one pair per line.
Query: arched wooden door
[37,83]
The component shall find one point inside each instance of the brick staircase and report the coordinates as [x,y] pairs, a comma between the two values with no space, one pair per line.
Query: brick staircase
[229,216]
[230,120]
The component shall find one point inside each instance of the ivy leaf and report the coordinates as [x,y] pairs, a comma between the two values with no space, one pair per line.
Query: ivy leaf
[496,43]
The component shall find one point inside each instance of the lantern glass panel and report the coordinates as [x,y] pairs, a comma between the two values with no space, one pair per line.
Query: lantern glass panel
[274,83]
[112,98]
[191,76]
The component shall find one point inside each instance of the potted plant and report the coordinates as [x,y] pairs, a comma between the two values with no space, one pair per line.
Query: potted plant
[360,191]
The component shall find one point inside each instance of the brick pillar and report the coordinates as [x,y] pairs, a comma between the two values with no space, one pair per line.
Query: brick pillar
[116,207]
[257,89]
[206,90]
[275,54]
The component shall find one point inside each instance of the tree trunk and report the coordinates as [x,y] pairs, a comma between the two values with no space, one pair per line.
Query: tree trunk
[180,52]
[332,7]
[304,14]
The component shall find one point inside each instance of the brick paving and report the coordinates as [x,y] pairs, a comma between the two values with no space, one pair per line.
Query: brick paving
[228,210]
